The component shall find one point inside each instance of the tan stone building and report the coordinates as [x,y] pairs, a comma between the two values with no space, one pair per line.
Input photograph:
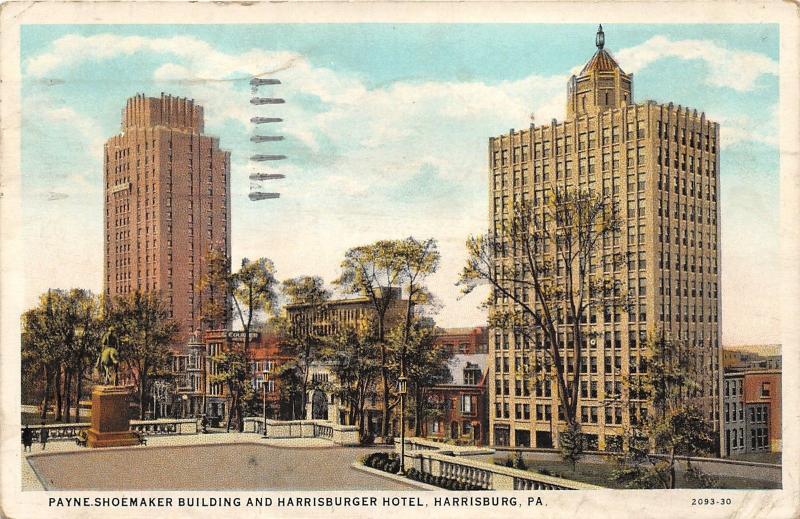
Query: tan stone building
[660,164]
[323,404]
[167,203]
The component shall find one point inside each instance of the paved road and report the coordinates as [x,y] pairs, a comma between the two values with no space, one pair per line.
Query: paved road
[209,467]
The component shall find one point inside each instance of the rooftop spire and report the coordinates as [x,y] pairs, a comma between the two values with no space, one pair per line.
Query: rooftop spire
[600,39]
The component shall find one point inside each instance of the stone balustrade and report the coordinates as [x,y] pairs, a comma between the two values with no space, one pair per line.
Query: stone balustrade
[450,461]
[423,444]
[278,429]
[161,427]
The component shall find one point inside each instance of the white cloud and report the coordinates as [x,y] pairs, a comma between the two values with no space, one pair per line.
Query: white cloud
[366,142]
[736,69]
[742,128]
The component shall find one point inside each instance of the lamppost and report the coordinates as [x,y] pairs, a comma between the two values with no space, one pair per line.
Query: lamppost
[402,389]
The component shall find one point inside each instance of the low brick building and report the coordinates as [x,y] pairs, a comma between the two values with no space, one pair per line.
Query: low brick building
[198,394]
[752,412]
[462,406]
[465,341]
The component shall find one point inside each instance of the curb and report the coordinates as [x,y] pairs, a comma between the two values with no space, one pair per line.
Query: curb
[395,477]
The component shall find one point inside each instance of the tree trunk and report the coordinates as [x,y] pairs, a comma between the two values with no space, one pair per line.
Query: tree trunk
[46,397]
[240,415]
[230,409]
[418,412]
[304,396]
[672,468]
[67,393]
[78,391]
[58,386]
[142,391]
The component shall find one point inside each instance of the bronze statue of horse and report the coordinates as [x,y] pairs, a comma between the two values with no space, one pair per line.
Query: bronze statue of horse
[108,359]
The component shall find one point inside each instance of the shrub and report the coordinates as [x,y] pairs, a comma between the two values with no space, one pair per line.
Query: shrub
[519,463]
[509,463]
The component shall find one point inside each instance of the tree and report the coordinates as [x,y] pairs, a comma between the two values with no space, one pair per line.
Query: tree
[141,323]
[675,428]
[86,343]
[252,291]
[571,442]
[291,390]
[60,337]
[543,259]
[216,286]
[356,366]
[374,271]
[40,346]
[233,370]
[302,335]
[426,364]
[418,260]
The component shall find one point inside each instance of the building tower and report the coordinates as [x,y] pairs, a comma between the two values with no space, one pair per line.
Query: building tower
[167,203]
[660,165]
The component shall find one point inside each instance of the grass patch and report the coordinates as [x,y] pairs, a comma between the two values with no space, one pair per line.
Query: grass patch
[600,474]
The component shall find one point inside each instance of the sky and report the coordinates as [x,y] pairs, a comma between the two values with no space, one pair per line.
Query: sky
[386,128]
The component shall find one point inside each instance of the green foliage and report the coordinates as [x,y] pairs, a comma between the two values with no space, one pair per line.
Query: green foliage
[370,270]
[701,479]
[550,292]
[355,363]
[291,390]
[676,427]
[140,321]
[234,371]
[217,286]
[60,339]
[519,462]
[571,441]
[307,290]
[252,290]
[302,338]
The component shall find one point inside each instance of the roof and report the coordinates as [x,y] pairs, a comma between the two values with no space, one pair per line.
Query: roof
[460,361]
[765,350]
[602,61]
[464,330]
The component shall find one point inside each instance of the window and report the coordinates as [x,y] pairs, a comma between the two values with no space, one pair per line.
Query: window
[765,388]
[466,404]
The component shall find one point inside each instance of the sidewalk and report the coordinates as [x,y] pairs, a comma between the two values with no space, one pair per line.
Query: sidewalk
[30,480]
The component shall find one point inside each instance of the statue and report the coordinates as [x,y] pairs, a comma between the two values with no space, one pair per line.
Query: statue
[108,359]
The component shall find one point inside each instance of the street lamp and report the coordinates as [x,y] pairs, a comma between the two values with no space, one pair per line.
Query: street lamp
[402,389]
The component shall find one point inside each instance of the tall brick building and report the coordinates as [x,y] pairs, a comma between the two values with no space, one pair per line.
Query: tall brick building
[659,163]
[167,203]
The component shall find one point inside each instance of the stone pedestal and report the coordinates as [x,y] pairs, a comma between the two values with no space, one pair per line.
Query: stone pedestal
[110,424]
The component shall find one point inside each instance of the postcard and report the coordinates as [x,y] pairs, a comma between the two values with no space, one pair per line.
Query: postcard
[457,259]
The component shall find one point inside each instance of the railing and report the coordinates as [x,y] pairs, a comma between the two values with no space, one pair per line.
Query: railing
[422,444]
[57,432]
[284,429]
[323,431]
[465,474]
[149,429]
[455,462]
[161,427]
